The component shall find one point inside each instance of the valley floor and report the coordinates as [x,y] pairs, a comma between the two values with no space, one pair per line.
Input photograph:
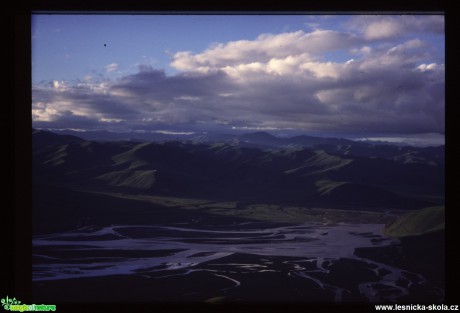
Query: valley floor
[241,262]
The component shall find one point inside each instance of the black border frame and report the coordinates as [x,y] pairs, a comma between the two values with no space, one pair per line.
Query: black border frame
[18,195]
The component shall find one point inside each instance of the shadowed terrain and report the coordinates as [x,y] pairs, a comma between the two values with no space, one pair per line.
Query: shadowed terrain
[235,221]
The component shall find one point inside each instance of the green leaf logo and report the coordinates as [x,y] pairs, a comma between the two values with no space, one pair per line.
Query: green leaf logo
[7,302]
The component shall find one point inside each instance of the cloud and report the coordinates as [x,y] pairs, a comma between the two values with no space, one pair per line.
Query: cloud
[263,49]
[428,139]
[384,27]
[60,104]
[276,81]
[111,67]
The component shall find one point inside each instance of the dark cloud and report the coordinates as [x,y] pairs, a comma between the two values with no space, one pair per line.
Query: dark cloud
[154,84]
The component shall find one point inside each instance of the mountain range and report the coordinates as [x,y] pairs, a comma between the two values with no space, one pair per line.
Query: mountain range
[254,167]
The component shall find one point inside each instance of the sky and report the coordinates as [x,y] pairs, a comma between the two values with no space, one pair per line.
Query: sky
[361,76]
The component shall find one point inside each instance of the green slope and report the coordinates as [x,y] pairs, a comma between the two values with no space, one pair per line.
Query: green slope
[129,178]
[419,222]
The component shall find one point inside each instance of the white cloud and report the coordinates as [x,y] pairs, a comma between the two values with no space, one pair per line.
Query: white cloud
[407,53]
[378,27]
[59,85]
[111,67]
[263,49]
[430,67]
[383,29]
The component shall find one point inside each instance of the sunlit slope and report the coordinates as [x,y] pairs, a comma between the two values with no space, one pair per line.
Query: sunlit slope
[418,222]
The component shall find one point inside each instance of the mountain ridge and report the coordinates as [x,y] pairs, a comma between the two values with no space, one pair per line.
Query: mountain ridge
[233,171]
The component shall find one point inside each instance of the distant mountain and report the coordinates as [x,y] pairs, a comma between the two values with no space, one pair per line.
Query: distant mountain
[264,140]
[221,170]
[45,138]
[104,135]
